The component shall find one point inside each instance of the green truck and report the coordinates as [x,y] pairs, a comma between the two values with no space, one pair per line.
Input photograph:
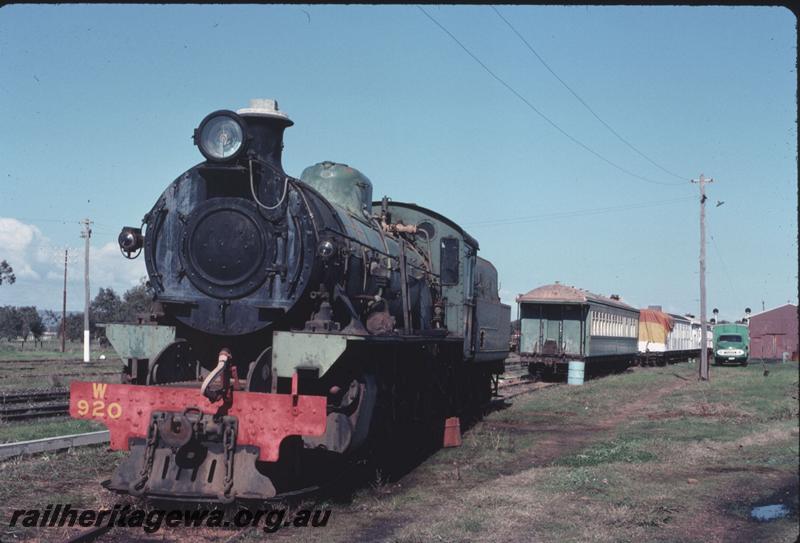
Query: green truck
[731,344]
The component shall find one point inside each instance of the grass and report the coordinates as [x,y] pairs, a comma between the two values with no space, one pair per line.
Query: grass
[46,367]
[686,465]
[50,350]
[607,453]
[24,431]
[71,477]
[18,376]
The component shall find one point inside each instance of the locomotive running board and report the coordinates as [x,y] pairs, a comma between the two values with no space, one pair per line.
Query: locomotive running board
[264,419]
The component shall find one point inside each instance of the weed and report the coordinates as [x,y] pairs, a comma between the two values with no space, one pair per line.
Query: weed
[606,453]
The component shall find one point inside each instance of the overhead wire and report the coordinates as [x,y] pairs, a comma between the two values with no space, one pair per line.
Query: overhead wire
[575,213]
[583,102]
[536,110]
[60,221]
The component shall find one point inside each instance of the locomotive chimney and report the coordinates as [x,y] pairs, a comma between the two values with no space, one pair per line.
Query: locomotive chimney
[265,126]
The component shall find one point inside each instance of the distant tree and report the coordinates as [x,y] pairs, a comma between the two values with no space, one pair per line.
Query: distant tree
[51,319]
[136,300]
[6,273]
[74,327]
[31,324]
[10,322]
[107,306]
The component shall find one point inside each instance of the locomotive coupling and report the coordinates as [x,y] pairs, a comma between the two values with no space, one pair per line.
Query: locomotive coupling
[216,385]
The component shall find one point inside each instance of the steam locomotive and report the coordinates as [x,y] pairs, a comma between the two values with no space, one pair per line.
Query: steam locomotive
[296,324]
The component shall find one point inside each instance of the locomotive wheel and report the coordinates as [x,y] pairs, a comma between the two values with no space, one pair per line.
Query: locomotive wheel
[259,374]
[176,362]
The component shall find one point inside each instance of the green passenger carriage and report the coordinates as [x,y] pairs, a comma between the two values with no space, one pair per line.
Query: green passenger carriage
[560,323]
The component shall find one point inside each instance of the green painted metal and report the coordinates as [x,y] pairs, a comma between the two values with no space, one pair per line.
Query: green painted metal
[142,341]
[458,297]
[301,350]
[341,185]
[742,348]
[570,327]
[529,334]
[561,324]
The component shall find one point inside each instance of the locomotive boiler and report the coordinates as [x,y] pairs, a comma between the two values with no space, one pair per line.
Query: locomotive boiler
[296,324]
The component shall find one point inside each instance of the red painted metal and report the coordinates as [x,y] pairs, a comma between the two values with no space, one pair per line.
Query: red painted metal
[264,419]
[452,432]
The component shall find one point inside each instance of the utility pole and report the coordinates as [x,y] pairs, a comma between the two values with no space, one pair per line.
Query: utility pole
[86,234]
[703,332]
[64,305]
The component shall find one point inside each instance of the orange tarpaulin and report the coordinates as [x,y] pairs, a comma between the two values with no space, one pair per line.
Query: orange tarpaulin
[654,326]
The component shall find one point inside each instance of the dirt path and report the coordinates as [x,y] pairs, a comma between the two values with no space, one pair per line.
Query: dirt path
[556,441]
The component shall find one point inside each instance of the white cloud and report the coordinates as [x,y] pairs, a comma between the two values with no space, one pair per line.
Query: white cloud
[16,241]
[108,267]
[15,235]
[39,268]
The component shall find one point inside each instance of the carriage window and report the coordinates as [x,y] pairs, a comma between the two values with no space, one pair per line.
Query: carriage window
[449,261]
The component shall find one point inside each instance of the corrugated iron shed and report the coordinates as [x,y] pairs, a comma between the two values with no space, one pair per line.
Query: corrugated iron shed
[774,332]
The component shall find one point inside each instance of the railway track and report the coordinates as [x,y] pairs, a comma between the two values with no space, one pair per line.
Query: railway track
[33,396]
[33,404]
[34,411]
[517,381]
[57,443]
[523,386]
[69,374]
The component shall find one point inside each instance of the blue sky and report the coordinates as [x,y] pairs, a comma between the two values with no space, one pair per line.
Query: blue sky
[98,103]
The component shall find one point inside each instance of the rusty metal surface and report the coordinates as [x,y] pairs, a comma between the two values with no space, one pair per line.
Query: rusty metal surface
[564,293]
[264,419]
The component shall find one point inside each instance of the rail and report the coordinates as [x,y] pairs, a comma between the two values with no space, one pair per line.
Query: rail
[47,444]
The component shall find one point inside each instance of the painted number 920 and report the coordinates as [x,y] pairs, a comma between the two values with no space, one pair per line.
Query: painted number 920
[98,407]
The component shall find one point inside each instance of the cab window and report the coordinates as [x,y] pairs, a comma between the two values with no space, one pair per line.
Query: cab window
[449,261]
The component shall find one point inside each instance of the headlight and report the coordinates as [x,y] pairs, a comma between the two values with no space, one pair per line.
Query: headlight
[220,136]
[130,241]
[325,249]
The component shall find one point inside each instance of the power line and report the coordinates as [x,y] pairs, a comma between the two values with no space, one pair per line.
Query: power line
[60,221]
[582,101]
[532,107]
[576,213]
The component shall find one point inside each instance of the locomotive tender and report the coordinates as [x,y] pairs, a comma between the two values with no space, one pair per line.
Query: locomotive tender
[295,323]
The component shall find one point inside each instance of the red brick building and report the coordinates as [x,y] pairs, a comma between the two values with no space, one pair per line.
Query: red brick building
[774,332]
